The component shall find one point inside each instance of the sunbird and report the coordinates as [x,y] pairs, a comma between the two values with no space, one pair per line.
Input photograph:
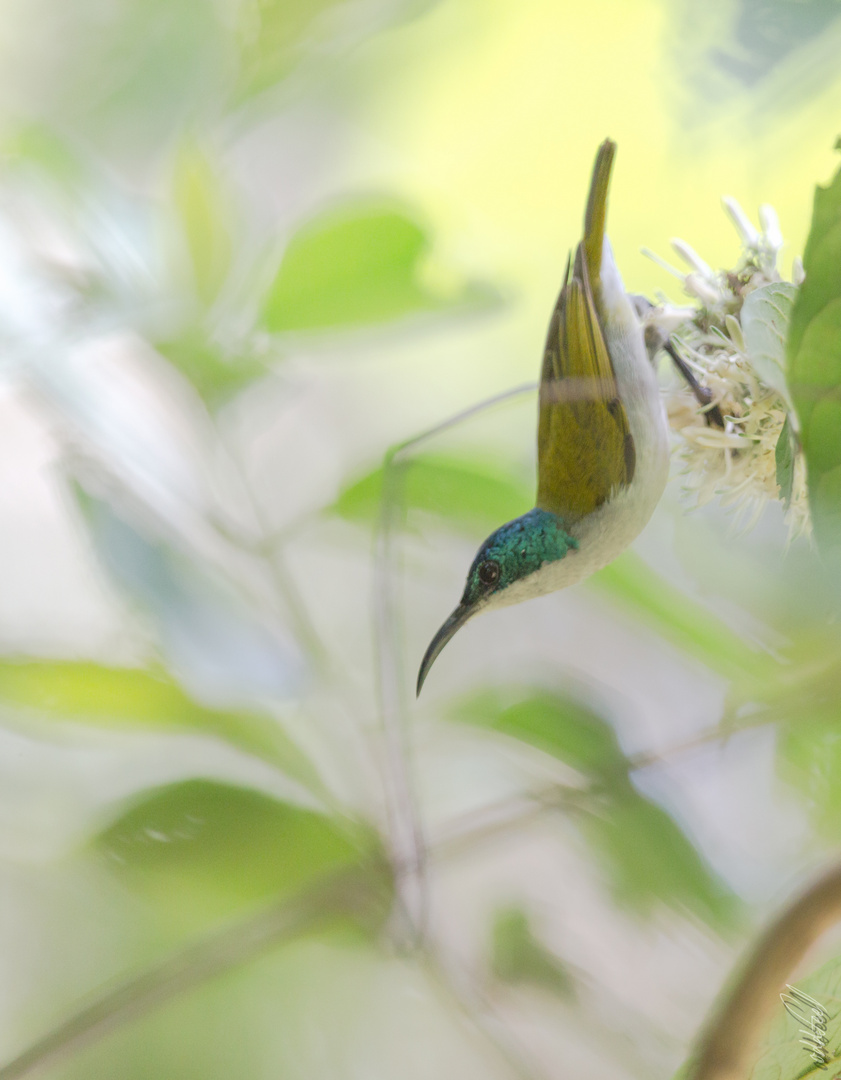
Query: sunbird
[602,438]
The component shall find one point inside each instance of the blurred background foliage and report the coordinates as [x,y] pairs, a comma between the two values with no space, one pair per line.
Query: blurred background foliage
[247,246]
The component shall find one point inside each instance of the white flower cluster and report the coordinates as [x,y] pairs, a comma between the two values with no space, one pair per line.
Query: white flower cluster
[736,462]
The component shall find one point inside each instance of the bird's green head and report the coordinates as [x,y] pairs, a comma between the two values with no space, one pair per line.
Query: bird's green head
[512,554]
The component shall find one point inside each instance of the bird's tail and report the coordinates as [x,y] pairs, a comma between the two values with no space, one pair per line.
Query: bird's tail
[594,218]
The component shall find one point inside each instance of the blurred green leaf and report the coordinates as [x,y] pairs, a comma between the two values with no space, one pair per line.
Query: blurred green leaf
[215,1032]
[200,850]
[782,1054]
[89,693]
[554,723]
[680,619]
[809,755]
[204,215]
[517,956]
[803,704]
[130,81]
[275,35]
[646,855]
[649,859]
[220,646]
[39,145]
[763,34]
[784,453]
[216,377]
[765,318]
[356,265]
[271,33]
[814,361]
[467,495]
[254,1020]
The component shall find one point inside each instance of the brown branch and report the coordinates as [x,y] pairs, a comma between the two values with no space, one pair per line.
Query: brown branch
[726,1048]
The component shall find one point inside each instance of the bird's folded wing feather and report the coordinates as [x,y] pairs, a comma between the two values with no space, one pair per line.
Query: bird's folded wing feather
[585,449]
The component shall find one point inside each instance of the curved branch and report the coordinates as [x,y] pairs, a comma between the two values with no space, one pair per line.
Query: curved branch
[726,1048]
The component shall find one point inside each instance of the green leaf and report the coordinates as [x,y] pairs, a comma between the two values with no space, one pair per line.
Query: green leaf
[204,215]
[765,318]
[254,1019]
[38,145]
[814,364]
[216,377]
[517,956]
[200,850]
[82,692]
[467,495]
[251,1021]
[645,853]
[217,643]
[353,266]
[129,86]
[784,454]
[782,1053]
[555,723]
[809,755]
[271,36]
[649,860]
[274,36]
[820,258]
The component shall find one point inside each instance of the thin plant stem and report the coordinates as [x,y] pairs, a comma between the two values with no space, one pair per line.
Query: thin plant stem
[397,451]
[285,587]
[507,815]
[479,1014]
[407,839]
[503,817]
[270,550]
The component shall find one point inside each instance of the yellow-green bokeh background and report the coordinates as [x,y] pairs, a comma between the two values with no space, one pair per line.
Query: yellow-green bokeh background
[485,118]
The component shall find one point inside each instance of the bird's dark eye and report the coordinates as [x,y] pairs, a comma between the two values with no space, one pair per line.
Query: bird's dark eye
[489,572]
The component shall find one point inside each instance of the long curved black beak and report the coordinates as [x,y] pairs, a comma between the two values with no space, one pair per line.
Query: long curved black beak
[458,618]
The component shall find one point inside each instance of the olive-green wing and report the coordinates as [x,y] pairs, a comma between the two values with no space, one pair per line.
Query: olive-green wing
[585,450]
